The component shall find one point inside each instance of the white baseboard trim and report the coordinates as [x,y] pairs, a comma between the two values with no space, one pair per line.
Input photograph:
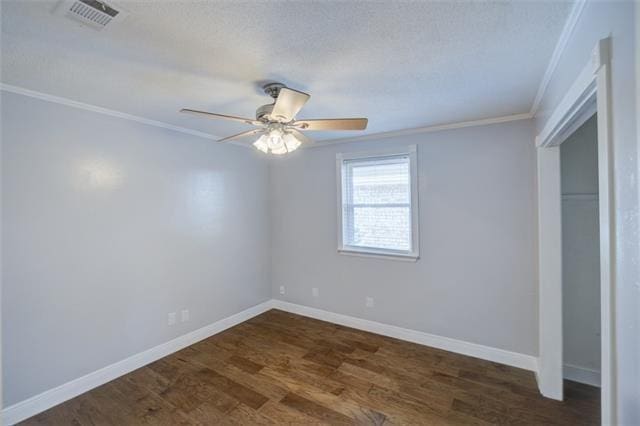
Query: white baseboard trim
[52,397]
[582,375]
[475,350]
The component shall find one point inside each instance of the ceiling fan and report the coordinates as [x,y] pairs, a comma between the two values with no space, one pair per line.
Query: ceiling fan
[278,128]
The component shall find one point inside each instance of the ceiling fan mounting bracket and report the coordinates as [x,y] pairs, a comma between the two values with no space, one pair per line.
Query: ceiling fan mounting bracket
[273,89]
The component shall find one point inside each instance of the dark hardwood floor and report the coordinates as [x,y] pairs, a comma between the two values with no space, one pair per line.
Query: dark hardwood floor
[280,368]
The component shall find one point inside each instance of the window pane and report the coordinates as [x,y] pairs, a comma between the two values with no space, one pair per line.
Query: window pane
[376,204]
[383,183]
[381,227]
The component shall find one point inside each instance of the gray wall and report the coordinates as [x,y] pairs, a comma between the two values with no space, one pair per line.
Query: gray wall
[580,248]
[476,279]
[108,225]
[618,21]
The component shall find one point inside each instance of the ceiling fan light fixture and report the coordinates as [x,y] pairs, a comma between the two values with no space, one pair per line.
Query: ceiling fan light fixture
[261,144]
[280,131]
[278,141]
[279,151]
[291,142]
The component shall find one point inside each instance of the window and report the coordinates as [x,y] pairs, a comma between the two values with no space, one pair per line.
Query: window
[378,209]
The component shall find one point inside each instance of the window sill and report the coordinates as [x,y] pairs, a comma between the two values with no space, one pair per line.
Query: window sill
[409,257]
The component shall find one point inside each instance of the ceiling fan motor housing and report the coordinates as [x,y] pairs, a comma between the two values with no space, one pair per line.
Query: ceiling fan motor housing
[272,89]
[263,112]
[278,119]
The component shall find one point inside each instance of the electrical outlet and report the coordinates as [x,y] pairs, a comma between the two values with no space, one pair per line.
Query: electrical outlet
[315,292]
[282,289]
[368,301]
[184,315]
[171,318]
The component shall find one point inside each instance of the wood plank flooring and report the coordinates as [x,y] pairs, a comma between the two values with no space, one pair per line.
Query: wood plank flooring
[280,368]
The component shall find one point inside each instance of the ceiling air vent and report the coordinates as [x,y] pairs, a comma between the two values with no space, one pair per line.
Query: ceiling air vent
[93,13]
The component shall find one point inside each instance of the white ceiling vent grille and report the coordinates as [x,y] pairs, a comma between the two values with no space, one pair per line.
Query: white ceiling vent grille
[93,13]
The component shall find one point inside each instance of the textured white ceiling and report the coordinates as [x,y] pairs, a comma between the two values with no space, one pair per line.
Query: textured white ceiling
[401,64]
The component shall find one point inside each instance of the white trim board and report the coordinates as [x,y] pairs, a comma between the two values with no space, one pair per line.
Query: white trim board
[576,107]
[371,136]
[411,152]
[425,129]
[581,375]
[514,359]
[100,110]
[52,397]
[563,40]
[592,84]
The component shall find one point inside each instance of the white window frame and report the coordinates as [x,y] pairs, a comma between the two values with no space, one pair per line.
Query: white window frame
[414,253]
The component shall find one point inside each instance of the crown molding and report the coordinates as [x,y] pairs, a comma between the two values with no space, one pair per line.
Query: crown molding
[427,129]
[100,110]
[372,136]
[563,40]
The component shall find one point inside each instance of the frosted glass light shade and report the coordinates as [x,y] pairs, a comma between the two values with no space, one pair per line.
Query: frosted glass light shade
[277,142]
[261,144]
[279,150]
[292,143]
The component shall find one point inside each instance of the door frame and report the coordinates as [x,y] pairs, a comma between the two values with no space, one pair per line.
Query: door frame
[590,92]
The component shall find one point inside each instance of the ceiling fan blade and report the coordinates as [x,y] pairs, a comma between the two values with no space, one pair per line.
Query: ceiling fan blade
[221,116]
[288,103]
[241,135]
[332,124]
[300,136]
